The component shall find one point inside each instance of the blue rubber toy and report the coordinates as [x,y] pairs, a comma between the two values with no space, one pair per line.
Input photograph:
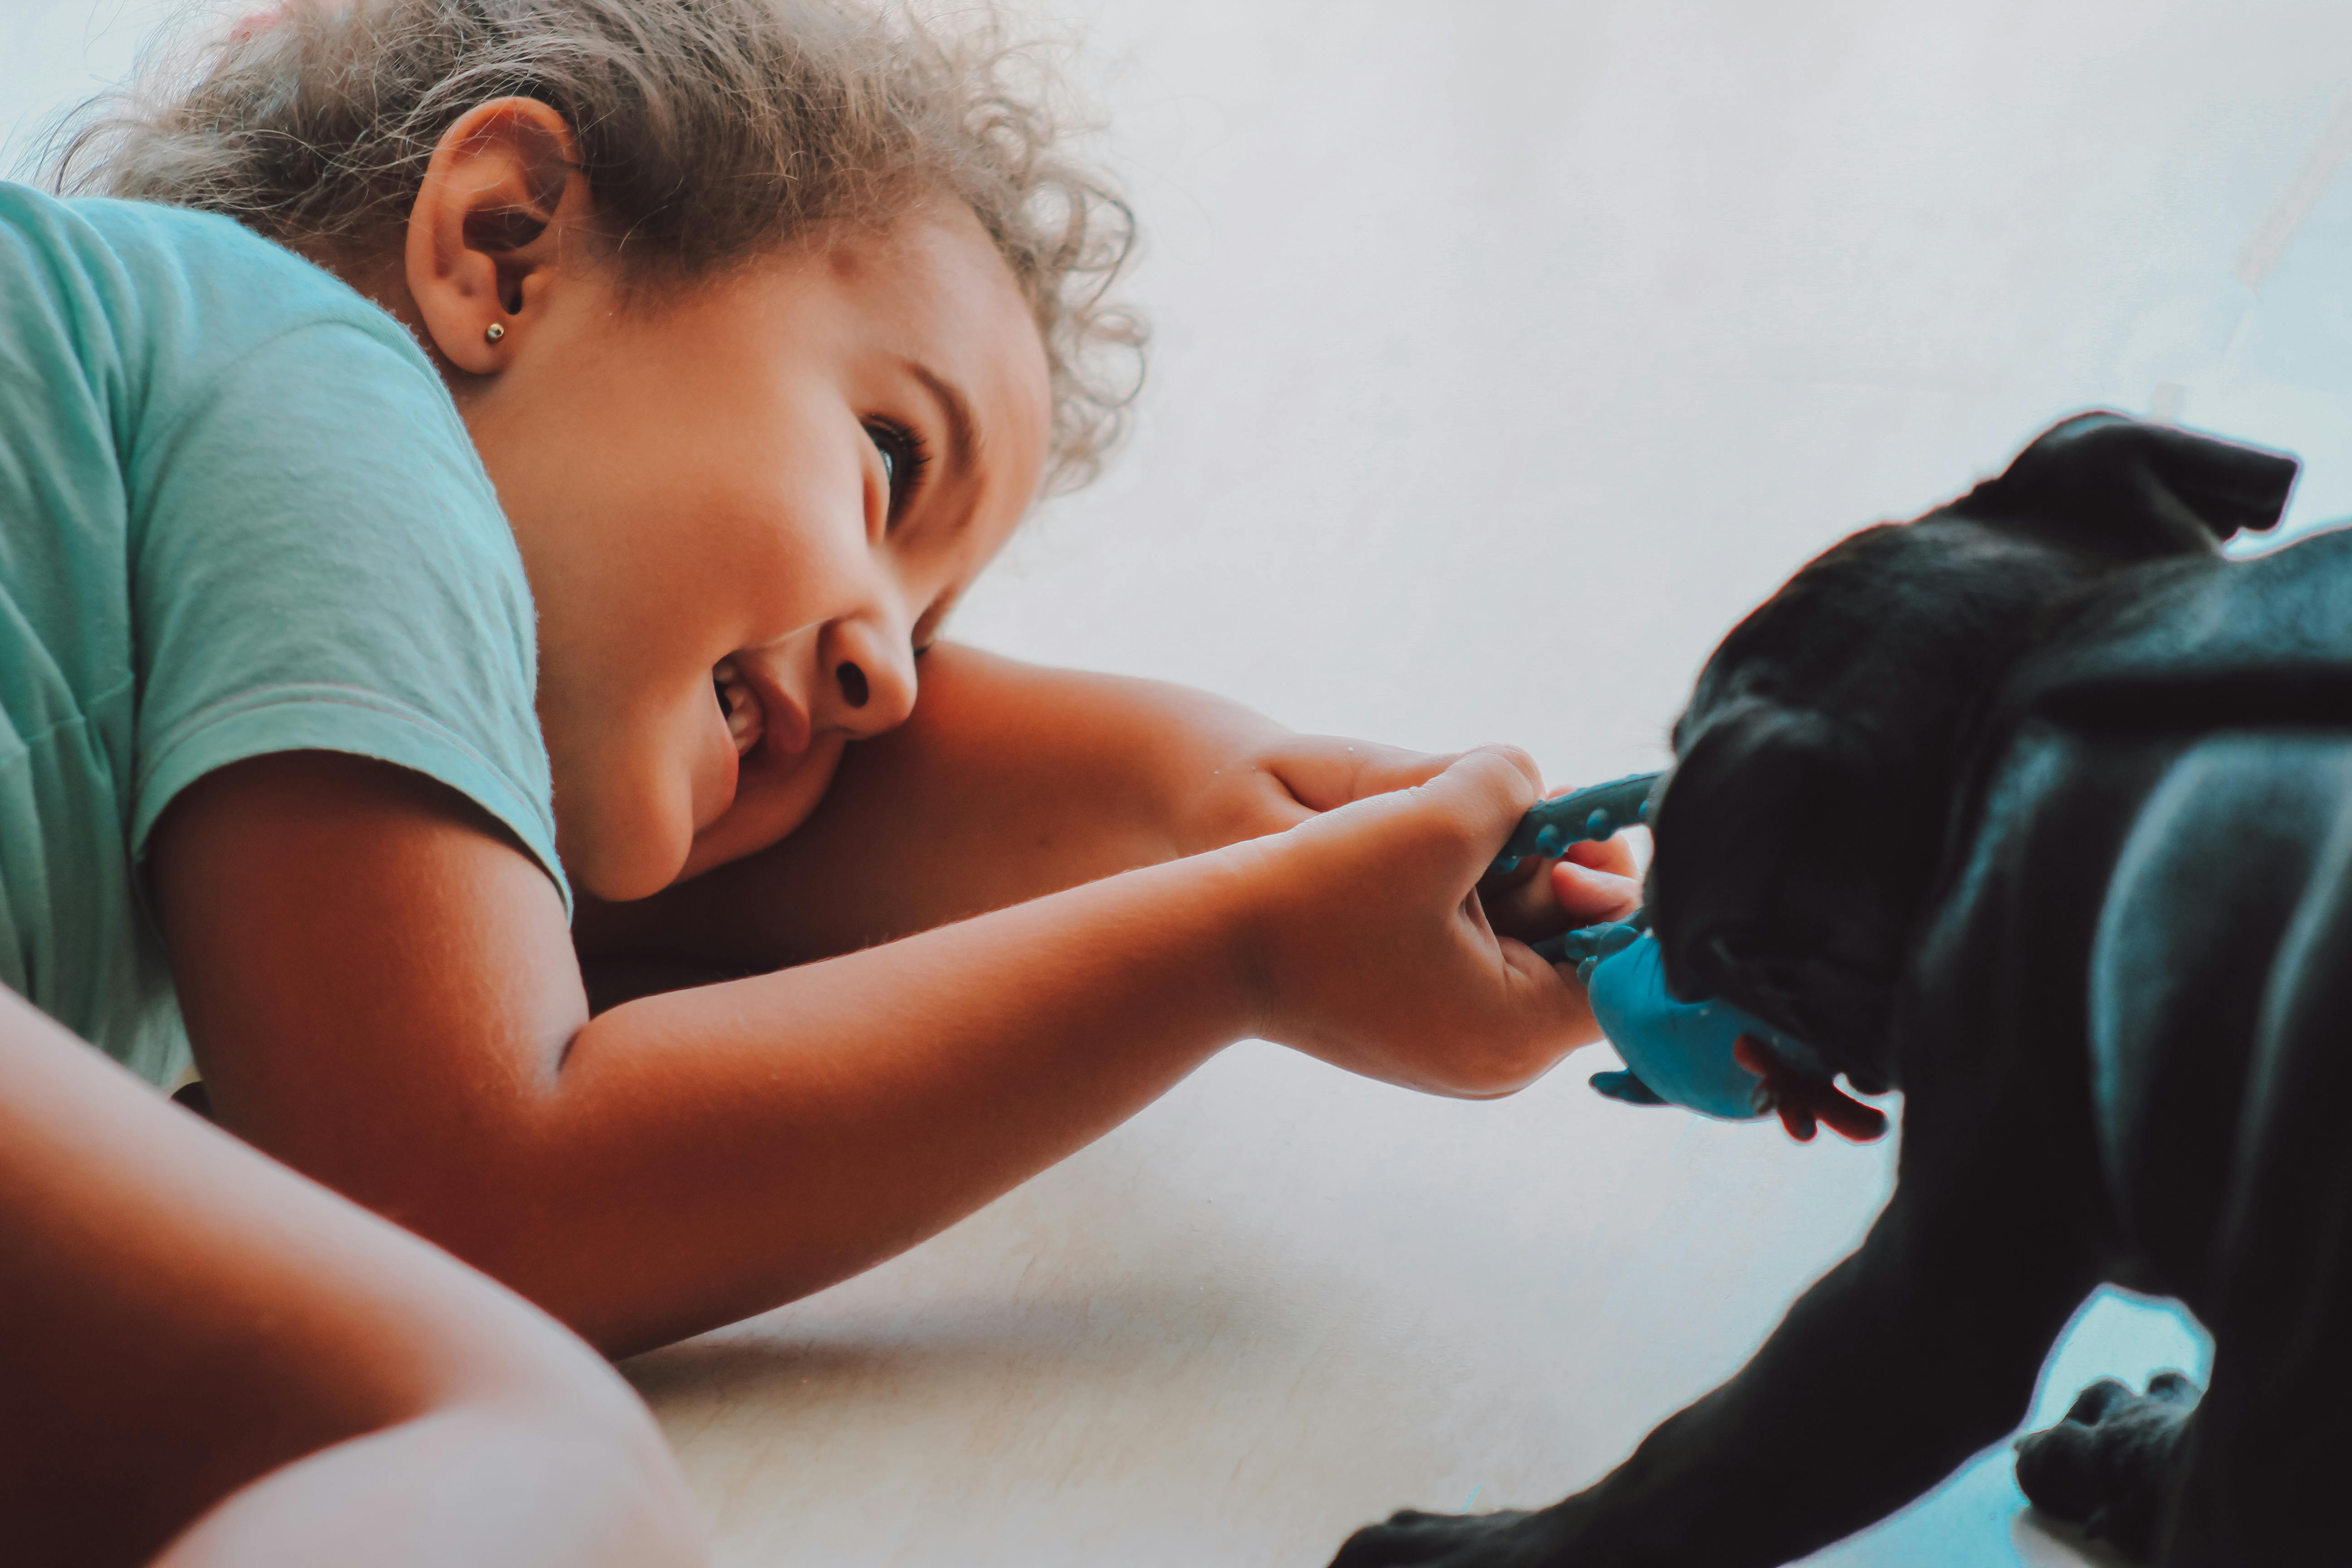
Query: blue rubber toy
[1595,812]
[1676,1052]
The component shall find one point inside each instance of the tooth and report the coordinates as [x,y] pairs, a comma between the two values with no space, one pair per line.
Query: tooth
[743,713]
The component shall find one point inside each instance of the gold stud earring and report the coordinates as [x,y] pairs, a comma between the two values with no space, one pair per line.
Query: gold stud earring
[494,332]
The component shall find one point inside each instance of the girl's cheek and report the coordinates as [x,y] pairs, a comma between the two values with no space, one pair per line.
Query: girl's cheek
[714,774]
[629,817]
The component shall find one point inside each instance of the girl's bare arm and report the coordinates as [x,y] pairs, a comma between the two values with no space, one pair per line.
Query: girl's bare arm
[1011,781]
[384,995]
[199,1343]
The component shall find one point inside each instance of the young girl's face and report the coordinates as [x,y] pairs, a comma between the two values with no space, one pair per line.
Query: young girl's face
[744,513]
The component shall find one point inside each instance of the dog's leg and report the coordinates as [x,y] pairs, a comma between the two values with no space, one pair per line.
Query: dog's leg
[2113,1465]
[2263,1458]
[1913,1353]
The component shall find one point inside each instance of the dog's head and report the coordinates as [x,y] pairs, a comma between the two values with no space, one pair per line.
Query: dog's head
[1802,829]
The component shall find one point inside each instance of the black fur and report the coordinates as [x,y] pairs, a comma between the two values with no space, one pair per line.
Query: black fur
[2038,810]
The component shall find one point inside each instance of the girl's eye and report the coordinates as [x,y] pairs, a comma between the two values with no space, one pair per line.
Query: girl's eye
[903,458]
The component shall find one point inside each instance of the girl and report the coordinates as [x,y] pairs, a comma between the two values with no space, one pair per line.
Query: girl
[564,506]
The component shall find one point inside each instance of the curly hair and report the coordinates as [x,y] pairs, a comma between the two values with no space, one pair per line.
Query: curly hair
[709,130]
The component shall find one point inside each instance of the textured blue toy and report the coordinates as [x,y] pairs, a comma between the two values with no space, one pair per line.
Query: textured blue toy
[1594,812]
[1676,1052]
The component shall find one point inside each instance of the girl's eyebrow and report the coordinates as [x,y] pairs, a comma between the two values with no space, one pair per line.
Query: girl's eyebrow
[963,442]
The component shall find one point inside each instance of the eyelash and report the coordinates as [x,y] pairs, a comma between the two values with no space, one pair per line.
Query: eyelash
[905,456]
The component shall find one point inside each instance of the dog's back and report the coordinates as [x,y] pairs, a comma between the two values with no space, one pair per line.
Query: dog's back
[2220,694]
[2192,730]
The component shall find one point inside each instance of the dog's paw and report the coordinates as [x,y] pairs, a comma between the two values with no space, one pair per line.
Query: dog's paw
[2110,1466]
[1506,1539]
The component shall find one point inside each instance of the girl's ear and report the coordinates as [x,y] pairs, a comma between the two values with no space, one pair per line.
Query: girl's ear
[502,211]
[2131,490]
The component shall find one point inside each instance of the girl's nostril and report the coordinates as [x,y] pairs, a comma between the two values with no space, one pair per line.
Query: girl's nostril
[853,689]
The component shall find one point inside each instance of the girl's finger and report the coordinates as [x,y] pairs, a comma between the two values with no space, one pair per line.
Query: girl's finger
[1323,773]
[1483,793]
[1520,902]
[1612,854]
[1588,897]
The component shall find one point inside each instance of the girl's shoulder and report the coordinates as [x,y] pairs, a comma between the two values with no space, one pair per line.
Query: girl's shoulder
[167,294]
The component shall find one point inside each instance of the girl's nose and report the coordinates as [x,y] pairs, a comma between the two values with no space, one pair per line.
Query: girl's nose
[873,677]
[856,689]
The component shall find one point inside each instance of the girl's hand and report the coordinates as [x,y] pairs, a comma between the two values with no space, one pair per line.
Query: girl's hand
[1025,780]
[1590,884]
[1372,949]
[1264,779]
[1288,779]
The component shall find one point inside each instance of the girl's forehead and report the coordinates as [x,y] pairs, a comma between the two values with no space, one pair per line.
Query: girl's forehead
[929,283]
[935,260]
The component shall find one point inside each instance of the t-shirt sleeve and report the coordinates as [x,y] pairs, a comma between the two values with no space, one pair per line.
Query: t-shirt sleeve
[318,563]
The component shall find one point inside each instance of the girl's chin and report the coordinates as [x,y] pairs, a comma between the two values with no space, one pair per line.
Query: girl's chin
[645,868]
[771,799]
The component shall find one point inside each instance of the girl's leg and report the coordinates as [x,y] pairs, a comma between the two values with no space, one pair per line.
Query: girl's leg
[201,1350]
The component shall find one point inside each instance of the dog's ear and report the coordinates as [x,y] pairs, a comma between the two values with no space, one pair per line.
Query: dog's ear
[2131,490]
[1728,828]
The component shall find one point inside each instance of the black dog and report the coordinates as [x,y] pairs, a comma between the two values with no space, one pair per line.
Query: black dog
[2038,810]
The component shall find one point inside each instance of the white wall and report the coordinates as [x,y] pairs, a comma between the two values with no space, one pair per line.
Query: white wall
[55,53]
[1509,351]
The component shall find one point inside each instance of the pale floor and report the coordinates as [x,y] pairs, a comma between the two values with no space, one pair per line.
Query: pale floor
[1507,352]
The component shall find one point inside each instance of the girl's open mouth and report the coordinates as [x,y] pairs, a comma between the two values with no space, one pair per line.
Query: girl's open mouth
[760,714]
[746,716]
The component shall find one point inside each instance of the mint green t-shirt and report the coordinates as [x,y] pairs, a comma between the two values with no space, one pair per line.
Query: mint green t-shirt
[238,515]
